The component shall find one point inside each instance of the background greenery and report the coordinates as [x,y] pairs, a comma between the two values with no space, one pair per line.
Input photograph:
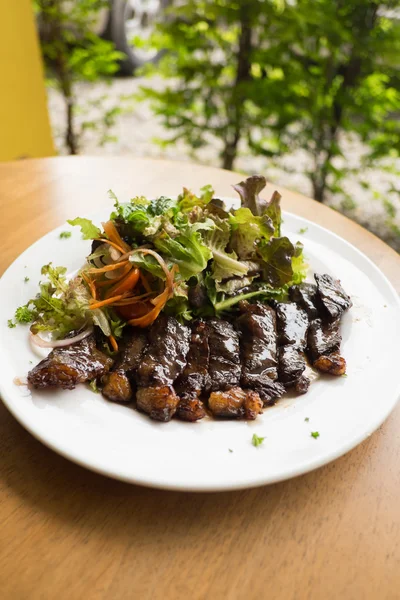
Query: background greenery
[271,76]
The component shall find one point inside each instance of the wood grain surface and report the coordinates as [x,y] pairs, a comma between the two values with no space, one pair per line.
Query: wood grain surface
[67,533]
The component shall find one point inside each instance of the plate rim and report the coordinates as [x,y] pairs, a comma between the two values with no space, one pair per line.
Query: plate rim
[179,485]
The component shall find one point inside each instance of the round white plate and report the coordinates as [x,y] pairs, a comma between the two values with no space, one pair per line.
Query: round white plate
[215,455]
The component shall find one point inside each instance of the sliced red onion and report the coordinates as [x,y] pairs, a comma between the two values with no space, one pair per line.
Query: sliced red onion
[39,341]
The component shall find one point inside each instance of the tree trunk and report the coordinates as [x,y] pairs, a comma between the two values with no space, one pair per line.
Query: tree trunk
[236,111]
[54,22]
[71,140]
[230,153]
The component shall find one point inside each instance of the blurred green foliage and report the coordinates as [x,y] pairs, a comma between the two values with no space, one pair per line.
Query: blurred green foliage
[283,76]
[74,53]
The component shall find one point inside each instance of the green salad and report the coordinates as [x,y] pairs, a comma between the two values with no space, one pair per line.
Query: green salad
[190,256]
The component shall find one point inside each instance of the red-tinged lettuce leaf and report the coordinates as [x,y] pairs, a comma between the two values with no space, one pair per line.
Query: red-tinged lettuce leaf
[249,190]
[273,211]
[247,231]
[277,257]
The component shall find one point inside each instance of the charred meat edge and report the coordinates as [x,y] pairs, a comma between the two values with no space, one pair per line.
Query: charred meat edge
[163,361]
[118,384]
[191,382]
[293,325]
[324,341]
[67,366]
[227,399]
[258,351]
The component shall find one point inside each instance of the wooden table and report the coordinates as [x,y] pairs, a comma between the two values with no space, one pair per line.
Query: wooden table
[69,533]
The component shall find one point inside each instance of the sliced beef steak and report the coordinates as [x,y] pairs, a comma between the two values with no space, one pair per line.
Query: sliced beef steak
[66,367]
[191,383]
[305,296]
[117,384]
[224,363]
[163,361]
[323,338]
[324,341]
[292,323]
[258,351]
[332,297]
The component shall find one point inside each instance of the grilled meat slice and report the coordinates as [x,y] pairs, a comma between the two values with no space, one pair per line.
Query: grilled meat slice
[224,364]
[165,357]
[194,377]
[291,364]
[235,403]
[159,402]
[257,327]
[324,341]
[292,323]
[334,364]
[258,354]
[332,296]
[117,383]
[66,367]
[163,361]
[305,296]
[323,338]
[292,336]
[190,409]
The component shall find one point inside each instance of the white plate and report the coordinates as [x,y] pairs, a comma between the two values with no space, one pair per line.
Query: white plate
[216,455]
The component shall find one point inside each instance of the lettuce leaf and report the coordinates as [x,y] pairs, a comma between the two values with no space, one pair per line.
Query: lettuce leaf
[88,229]
[283,263]
[186,250]
[187,201]
[249,190]
[225,264]
[247,231]
[299,265]
[273,211]
[277,257]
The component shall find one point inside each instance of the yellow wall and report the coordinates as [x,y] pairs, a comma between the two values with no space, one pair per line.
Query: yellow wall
[24,122]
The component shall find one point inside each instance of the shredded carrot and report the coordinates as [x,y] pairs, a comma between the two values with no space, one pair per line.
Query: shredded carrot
[108,268]
[95,305]
[145,282]
[107,282]
[152,314]
[124,285]
[113,235]
[113,343]
[90,285]
[133,299]
[113,244]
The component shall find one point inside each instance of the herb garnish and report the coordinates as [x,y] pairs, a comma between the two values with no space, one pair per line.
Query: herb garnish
[256,440]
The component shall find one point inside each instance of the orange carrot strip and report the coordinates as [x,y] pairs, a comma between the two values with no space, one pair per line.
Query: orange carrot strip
[113,244]
[113,235]
[106,282]
[95,305]
[145,282]
[91,286]
[124,285]
[153,314]
[133,299]
[108,268]
[113,342]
